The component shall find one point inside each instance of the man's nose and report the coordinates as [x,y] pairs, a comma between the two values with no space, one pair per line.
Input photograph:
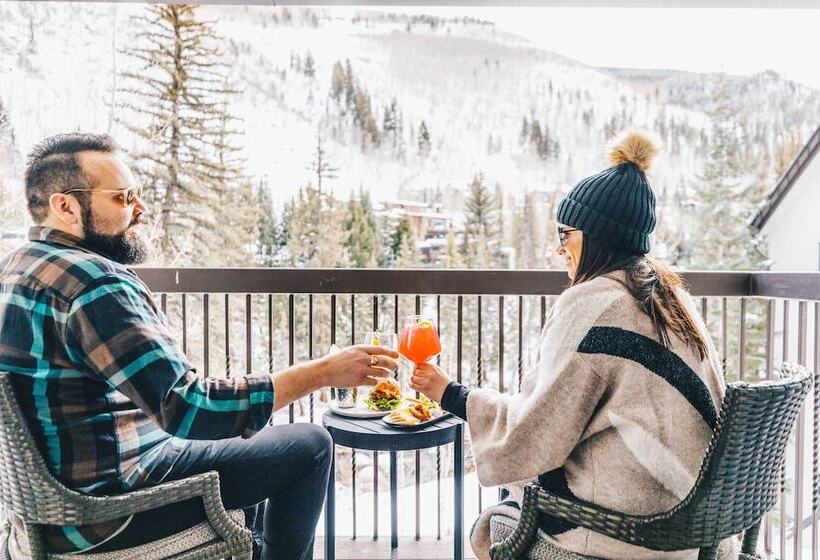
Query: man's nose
[139,206]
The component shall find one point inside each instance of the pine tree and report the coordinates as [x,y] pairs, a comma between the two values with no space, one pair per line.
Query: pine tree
[481,237]
[234,244]
[525,131]
[408,255]
[11,198]
[356,103]
[320,166]
[424,139]
[403,245]
[362,237]
[315,234]
[266,228]
[526,233]
[363,116]
[309,66]
[281,255]
[452,257]
[536,137]
[389,120]
[349,86]
[723,190]
[8,144]
[337,81]
[392,126]
[498,197]
[179,110]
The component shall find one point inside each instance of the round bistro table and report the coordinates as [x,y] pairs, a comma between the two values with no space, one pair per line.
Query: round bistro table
[374,435]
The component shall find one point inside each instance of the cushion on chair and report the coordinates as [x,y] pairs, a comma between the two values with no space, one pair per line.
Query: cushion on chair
[194,537]
[502,526]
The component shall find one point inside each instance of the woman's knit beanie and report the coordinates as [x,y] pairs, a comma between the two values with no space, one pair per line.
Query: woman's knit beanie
[616,206]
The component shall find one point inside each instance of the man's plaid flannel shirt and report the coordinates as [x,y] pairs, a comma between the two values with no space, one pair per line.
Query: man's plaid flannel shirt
[108,393]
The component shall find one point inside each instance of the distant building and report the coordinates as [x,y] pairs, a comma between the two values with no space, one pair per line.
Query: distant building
[790,218]
[430,225]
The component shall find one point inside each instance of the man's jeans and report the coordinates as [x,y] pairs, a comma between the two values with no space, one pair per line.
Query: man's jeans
[286,465]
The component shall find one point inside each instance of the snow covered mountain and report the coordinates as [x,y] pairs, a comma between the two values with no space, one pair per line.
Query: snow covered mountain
[471,83]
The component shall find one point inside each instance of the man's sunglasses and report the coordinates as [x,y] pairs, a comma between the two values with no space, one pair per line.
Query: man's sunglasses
[127,196]
[563,235]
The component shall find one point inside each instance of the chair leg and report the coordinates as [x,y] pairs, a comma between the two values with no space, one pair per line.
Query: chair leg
[708,553]
[750,537]
[5,535]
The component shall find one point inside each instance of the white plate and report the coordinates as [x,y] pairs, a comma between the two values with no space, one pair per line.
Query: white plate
[438,416]
[358,411]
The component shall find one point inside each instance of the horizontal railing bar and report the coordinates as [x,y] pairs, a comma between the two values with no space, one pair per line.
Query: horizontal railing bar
[789,285]
[444,282]
[354,281]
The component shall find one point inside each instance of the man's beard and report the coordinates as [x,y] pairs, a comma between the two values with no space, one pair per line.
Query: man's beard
[116,247]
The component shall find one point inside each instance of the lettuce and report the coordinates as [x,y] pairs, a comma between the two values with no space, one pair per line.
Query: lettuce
[383,403]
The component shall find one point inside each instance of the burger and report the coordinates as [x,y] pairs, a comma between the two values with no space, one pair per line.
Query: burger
[386,395]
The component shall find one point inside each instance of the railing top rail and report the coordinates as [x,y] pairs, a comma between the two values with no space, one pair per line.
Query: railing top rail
[790,285]
[795,285]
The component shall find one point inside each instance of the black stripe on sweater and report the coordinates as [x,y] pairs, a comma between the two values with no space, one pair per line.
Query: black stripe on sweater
[658,359]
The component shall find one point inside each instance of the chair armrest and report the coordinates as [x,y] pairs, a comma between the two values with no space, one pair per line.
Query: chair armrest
[587,515]
[583,514]
[516,545]
[94,509]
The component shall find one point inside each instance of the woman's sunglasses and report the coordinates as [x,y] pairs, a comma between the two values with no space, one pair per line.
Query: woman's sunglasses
[563,235]
[127,196]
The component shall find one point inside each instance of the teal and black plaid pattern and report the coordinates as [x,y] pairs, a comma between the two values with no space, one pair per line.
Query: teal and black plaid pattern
[107,391]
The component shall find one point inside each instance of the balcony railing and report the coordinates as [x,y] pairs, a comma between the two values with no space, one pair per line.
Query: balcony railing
[236,321]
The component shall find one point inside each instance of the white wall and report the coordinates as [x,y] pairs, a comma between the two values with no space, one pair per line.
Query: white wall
[793,230]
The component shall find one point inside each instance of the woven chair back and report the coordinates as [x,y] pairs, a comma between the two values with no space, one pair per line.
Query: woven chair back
[27,488]
[741,475]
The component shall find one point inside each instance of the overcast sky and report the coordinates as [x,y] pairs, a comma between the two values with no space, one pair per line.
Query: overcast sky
[737,41]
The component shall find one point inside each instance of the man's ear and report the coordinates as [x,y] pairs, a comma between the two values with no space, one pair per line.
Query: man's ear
[65,208]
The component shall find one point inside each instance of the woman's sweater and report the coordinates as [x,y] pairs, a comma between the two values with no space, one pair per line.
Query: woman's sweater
[608,414]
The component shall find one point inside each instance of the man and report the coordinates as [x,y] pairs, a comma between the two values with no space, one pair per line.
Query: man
[113,402]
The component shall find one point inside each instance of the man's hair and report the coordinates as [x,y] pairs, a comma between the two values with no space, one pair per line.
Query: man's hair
[52,167]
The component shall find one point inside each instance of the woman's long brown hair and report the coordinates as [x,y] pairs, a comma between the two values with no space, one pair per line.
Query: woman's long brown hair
[651,283]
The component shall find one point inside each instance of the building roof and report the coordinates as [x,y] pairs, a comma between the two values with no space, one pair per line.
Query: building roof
[400,202]
[431,215]
[788,180]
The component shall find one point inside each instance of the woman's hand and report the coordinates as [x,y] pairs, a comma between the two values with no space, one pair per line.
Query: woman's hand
[429,380]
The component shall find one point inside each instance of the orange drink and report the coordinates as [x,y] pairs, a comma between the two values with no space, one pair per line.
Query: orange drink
[419,339]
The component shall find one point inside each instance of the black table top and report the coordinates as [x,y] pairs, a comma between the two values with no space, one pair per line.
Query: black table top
[374,434]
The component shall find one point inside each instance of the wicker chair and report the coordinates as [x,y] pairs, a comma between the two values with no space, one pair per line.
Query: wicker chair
[738,481]
[29,491]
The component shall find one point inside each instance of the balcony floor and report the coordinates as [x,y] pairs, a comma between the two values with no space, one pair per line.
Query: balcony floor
[409,549]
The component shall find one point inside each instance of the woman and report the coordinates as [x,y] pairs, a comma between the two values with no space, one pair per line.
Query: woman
[621,405]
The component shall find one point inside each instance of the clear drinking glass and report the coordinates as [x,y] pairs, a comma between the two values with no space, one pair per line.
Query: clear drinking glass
[386,340]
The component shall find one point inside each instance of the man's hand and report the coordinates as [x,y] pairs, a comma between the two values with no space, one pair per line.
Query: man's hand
[357,365]
[429,380]
[350,367]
